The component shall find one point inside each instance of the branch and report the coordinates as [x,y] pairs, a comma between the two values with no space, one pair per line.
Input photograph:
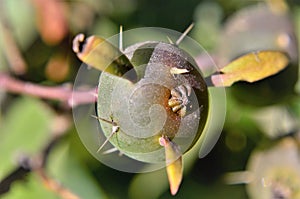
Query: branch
[55,186]
[37,163]
[60,93]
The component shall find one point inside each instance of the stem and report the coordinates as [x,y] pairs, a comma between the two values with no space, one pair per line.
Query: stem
[208,64]
[60,93]
[55,186]
[37,163]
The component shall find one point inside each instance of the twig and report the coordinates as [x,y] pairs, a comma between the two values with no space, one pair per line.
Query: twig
[207,63]
[55,186]
[60,93]
[37,163]
[18,174]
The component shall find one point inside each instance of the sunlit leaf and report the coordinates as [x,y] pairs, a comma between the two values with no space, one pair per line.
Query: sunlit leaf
[251,67]
[174,171]
[25,130]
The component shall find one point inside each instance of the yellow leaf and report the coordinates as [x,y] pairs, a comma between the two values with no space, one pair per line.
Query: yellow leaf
[101,54]
[251,67]
[174,164]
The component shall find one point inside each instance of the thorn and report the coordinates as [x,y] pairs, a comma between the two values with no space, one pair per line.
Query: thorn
[110,151]
[184,34]
[115,129]
[170,40]
[121,39]
[178,71]
[95,117]
[105,120]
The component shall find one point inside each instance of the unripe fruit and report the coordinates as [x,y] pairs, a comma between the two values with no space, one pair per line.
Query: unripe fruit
[163,95]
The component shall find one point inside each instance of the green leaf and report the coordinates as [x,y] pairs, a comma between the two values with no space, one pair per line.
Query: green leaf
[25,130]
[251,67]
[64,167]
[148,185]
[31,188]
[22,22]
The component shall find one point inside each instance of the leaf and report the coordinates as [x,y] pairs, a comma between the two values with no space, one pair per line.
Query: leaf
[152,185]
[251,67]
[22,22]
[174,171]
[174,168]
[101,54]
[65,167]
[31,188]
[148,185]
[24,131]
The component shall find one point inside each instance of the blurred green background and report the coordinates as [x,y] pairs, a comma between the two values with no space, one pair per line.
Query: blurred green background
[262,129]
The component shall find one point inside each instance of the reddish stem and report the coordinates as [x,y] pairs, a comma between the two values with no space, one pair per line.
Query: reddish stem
[60,93]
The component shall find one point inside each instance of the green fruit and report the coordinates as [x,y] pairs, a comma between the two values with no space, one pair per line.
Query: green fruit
[163,95]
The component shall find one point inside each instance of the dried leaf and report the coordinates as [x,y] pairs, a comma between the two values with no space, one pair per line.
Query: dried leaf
[251,67]
[100,54]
